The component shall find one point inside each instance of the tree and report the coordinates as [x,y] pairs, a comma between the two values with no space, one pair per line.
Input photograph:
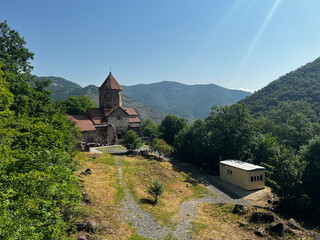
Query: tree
[132,141]
[38,190]
[310,153]
[6,97]
[191,144]
[284,175]
[30,97]
[76,105]
[263,148]
[156,189]
[150,129]
[160,146]
[170,126]
[230,132]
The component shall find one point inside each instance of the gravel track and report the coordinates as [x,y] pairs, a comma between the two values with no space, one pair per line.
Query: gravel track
[145,224]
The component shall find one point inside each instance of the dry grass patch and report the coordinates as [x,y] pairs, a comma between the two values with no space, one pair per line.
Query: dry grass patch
[104,192]
[260,197]
[216,221]
[139,174]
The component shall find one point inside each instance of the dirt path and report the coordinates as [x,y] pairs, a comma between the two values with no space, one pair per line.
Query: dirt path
[143,222]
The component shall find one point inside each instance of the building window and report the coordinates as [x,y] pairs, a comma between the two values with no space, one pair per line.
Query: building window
[256,178]
[229,172]
[119,118]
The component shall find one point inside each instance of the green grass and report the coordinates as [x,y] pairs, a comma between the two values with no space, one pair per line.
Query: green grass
[138,237]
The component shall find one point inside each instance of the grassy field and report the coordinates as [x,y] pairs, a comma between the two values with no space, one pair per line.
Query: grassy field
[139,173]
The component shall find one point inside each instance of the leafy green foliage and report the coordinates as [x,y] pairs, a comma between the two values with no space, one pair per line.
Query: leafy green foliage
[310,154]
[170,127]
[39,193]
[285,173]
[132,141]
[76,105]
[160,146]
[192,143]
[156,189]
[150,129]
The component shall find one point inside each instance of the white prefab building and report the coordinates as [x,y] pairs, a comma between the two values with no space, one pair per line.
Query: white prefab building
[245,175]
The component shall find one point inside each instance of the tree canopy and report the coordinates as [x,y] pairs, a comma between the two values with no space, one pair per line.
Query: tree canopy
[132,141]
[38,190]
[170,126]
[76,105]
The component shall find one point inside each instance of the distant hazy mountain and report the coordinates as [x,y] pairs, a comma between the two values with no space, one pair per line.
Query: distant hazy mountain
[303,84]
[155,99]
[62,89]
[190,101]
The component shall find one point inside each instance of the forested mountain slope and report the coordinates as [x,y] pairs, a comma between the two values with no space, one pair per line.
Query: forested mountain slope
[302,84]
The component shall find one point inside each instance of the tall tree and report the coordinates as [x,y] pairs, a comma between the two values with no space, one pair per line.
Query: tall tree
[284,175]
[170,127]
[132,141]
[76,105]
[30,96]
[38,191]
[150,129]
[310,153]
[231,129]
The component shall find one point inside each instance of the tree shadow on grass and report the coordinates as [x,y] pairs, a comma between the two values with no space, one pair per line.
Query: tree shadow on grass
[147,201]
[119,154]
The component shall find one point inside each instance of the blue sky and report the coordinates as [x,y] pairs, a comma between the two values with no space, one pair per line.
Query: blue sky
[233,43]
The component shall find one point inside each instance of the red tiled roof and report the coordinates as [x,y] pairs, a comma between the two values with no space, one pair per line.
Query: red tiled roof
[95,112]
[113,109]
[110,83]
[83,121]
[131,111]
[99,121]
[134,120]
[108,112]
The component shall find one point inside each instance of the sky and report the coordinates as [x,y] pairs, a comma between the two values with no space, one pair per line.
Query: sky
[239,44]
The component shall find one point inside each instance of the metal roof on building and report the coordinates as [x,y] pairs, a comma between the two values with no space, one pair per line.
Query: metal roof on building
[242,165]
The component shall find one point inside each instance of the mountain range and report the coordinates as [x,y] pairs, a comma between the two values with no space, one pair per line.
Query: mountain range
[190,101]
[155,100]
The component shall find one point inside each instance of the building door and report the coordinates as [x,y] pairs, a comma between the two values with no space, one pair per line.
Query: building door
[111,135]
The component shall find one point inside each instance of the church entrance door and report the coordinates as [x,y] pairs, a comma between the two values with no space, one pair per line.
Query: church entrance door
[111,135]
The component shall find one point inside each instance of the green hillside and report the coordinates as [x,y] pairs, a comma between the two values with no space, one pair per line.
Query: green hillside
[190,101]
[302,84]
[62,89]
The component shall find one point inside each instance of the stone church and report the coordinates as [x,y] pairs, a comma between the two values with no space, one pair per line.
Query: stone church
[109,123]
